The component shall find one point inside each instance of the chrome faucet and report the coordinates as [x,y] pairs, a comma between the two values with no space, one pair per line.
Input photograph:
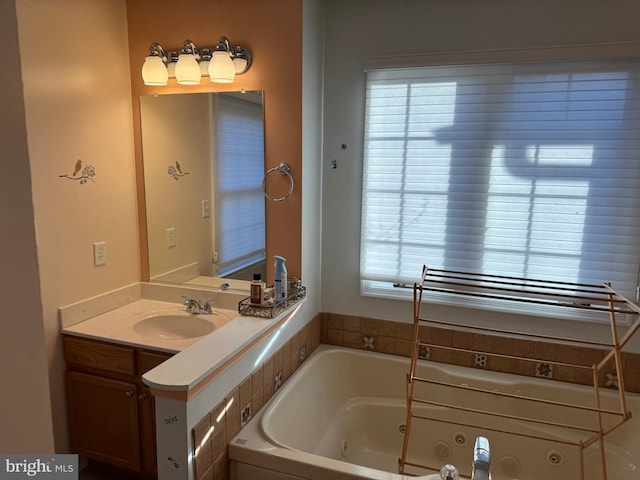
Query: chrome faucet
[481,466]
[194,306]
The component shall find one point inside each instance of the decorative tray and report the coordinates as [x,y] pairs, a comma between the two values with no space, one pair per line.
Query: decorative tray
[245,307]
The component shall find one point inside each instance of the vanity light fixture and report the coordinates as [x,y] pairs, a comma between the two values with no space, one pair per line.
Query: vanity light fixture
[187,68]
[220,63]
[154,70]
[221,69]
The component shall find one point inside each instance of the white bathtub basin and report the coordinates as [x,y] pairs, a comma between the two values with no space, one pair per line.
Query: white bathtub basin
[341,416]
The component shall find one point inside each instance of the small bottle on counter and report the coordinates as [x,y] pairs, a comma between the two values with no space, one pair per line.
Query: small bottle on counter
[257,289]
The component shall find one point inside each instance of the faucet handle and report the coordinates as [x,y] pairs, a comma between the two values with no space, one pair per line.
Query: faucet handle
[206,308]
[188,301]
[449,472]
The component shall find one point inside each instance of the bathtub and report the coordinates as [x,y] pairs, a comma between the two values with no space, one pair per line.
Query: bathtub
[343,413]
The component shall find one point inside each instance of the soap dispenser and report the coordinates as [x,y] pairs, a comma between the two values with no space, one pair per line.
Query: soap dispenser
[280,279]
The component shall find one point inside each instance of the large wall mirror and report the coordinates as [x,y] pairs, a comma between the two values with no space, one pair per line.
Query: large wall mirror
[203,156]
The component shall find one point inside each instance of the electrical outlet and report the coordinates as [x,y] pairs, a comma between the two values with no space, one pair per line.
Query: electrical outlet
[171,237]
[99,254]
[206,208]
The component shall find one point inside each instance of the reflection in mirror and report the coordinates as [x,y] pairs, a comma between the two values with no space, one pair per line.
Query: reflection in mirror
[203,156]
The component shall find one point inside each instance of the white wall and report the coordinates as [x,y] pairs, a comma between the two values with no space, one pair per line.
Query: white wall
[357,29]
[312,31]
[77,101]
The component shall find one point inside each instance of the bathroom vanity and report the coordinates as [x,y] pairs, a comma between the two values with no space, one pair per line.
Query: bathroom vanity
[142,372]
[111,411]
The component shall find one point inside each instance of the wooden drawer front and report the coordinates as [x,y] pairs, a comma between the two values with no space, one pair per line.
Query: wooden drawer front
[149,360]
[92,354]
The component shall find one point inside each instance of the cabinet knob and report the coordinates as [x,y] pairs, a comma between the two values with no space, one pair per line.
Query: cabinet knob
[128,394]
[141,397]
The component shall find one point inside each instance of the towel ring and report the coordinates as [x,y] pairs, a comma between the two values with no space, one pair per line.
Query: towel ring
[284,169]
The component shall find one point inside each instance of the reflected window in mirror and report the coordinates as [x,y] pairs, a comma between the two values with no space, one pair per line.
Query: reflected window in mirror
[238,197]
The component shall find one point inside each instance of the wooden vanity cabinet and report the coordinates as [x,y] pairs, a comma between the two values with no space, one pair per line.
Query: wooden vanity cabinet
[111,412]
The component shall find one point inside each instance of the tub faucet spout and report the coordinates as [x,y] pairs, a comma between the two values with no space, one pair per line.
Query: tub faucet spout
[481,467]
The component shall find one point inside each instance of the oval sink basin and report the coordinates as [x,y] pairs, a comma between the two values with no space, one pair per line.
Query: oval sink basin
[175,326]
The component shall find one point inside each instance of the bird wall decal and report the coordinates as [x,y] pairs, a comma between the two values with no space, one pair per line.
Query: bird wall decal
[80,173]
[175,171]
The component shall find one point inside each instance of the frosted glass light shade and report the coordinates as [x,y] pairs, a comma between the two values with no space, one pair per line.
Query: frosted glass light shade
[154,71]
[187,70]
[221,69]
[240,64]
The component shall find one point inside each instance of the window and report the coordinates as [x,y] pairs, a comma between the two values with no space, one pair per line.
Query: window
[238,196]
[527,170]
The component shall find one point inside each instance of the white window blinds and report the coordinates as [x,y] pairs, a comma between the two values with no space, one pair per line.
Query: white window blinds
[528,170]
[239,200]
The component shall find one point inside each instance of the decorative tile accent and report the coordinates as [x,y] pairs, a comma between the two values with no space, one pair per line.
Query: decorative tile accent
[480,360]
[245,415]
[611,380]
[173,461]
[368,343]
[171,420]
[424,352]
[544,370]
[277,380]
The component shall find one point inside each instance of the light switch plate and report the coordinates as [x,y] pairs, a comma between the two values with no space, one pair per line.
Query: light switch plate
[206,208]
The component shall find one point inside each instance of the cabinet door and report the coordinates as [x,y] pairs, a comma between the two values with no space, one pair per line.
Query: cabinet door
[103,419]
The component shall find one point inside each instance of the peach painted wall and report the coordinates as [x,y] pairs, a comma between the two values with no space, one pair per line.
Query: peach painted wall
[25,413]
[273,33]
[77,100]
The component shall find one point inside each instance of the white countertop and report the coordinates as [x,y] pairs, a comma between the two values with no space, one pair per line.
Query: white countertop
[184,371]
[195,359]
[117,326]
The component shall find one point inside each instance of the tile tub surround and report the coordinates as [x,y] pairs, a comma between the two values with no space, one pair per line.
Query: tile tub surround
[492,352]
[216,429]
